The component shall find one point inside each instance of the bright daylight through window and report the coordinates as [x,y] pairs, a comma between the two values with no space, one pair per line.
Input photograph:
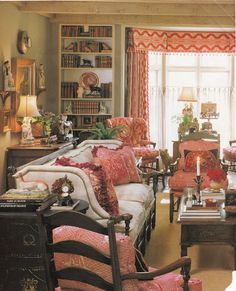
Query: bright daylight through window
[210,75]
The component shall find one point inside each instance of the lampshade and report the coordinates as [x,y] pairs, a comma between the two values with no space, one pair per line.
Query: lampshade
[187,95]
[28,106]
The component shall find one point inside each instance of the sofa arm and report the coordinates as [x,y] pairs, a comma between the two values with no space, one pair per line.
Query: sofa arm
[82,185]
[123,217]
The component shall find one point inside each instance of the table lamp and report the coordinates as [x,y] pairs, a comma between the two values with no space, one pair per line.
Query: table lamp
[27,109]
[187,95]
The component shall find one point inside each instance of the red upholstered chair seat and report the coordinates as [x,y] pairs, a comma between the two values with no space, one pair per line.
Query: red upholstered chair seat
[145,152]
[181,179]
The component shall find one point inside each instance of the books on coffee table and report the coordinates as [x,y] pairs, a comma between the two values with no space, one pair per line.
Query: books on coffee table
[25,200]
[200,212]
[210,194]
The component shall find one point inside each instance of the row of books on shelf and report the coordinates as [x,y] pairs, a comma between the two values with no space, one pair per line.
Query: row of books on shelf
[87,46]
[92,31]
[25,200]
[103,61]
[74,61]
[70,61]
[70,90]
[85,107]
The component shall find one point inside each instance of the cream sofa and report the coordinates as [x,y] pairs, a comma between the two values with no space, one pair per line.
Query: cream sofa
[137,199]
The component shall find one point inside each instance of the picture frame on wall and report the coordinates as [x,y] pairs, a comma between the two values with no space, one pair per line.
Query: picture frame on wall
[23,72]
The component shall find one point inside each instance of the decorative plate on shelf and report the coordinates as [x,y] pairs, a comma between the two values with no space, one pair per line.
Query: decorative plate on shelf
[89,79]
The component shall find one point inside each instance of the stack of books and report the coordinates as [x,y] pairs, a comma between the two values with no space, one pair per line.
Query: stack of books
[200,212]
[209,194]
[25,200]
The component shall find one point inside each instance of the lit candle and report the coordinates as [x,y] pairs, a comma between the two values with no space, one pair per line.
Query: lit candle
[198,166]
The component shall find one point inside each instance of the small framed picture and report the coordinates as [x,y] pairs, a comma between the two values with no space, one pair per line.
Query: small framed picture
[87,121]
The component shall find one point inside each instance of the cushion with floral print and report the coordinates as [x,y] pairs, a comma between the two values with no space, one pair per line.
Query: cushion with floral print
[126,152]
[208,160]
[102,185]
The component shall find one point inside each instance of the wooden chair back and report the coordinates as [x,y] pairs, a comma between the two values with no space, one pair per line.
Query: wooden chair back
[52,220]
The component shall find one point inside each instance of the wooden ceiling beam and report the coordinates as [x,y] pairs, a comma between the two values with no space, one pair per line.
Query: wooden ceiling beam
[144,1]
[110,8]
[188,21]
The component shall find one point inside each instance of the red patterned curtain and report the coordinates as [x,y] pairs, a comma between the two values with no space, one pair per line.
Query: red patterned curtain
[141,41]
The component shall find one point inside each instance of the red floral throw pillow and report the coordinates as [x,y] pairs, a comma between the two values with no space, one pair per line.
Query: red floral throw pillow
[126,152]
[115,169]
[102,185]
[208,160]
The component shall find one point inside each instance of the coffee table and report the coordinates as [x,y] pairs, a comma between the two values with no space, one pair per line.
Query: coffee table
[197,231]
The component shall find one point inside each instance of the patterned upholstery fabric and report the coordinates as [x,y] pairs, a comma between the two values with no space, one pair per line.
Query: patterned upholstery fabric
[126,152]
[208,160]
[230,154]
[182,178]
[102,185]
[115,169]
[195,145]
[126,254]
[135,135]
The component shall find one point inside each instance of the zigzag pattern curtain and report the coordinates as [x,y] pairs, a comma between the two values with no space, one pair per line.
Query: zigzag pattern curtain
[142,41]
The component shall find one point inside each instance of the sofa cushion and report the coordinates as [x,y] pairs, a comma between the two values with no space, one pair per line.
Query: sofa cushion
[115,169]
[135,192]
[126,254]
[102,186]
[208,160]
[126,152]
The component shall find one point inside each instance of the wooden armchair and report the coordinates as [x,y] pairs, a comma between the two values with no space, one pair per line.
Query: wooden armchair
[183,171]
[135,135]
[79,254]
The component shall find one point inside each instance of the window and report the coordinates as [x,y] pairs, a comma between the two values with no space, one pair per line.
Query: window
[211,77]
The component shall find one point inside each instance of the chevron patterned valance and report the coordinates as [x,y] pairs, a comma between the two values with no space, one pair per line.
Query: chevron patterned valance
[181,41]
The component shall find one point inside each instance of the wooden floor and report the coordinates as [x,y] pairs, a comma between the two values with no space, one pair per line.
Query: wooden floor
[212,264]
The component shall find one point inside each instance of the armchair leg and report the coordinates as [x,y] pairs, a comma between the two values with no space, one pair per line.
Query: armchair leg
[171,209]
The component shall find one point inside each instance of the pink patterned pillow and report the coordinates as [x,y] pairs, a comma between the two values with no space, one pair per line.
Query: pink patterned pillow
[115,169]
[126,152]
[102,185]
[126,254]
[208,160]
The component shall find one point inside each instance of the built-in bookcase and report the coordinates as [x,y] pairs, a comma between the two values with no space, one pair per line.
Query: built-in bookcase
[86,74]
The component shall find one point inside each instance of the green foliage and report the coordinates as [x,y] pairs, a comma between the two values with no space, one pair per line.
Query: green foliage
[186,119]
[102,132]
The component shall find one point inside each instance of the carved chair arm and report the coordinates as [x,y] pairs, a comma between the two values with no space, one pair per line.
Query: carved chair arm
[147,142]
[123,217]
[174,166]
[224,166]
[184,263]
[147,173]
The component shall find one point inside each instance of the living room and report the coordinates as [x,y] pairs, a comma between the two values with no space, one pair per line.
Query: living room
[207,68]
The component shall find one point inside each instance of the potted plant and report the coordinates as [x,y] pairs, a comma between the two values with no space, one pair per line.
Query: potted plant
[100,131]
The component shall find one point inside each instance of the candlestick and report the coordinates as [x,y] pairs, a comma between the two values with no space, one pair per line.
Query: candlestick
[198,180]
[198,166]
